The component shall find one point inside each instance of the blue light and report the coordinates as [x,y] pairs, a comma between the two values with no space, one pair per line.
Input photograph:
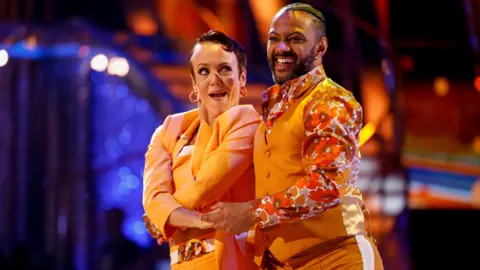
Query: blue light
[132,181]
[110,144]
[124,137]
[124,172]
[122,91]
[139,228]
[142,106]
[123,126]
[106,90]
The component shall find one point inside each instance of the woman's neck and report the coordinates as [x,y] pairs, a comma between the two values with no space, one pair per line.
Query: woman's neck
[206,116]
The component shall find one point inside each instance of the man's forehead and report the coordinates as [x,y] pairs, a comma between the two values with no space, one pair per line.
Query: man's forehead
[291,19]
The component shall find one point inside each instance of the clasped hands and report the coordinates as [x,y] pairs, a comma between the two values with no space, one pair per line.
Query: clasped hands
[233,218]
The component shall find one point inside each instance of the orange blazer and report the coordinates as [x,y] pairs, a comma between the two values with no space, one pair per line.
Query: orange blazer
[219,168]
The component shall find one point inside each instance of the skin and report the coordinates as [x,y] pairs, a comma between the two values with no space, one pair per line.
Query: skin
[216,72]
[294,38]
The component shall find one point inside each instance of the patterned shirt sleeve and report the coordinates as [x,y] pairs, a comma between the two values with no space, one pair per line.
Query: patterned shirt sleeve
[332,126]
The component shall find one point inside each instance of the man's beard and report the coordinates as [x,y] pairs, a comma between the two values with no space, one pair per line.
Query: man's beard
[302,68]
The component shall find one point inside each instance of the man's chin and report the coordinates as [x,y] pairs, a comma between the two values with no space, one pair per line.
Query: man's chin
[282,79]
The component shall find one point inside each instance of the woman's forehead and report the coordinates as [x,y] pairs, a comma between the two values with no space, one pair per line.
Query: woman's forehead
[211,53]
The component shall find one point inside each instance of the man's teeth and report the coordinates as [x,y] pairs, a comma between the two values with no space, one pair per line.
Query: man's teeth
[285,60]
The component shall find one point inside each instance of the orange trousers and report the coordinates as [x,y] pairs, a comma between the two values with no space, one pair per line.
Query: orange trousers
[356,253]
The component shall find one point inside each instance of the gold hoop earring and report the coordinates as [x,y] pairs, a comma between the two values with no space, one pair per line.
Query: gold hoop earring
[192,98]
[243,92]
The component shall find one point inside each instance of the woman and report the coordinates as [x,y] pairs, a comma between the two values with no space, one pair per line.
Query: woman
[203,156]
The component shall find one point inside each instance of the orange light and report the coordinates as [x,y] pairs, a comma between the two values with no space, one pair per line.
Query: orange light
[441,86]
[476,144]
[476,83]
[31,42]
[142,22]
[366,133]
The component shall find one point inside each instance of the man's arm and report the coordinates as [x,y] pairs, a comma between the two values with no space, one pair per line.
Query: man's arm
[332,125]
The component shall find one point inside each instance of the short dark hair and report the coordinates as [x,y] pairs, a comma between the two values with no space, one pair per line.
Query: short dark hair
[319,19]
[228,44]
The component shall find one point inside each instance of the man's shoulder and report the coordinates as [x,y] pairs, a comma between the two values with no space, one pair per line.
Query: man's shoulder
[328,90]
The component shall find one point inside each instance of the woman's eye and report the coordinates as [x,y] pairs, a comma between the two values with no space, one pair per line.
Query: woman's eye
[203,71]
[226,69]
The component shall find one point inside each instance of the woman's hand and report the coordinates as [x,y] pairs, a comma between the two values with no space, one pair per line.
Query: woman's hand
[199,223]
[153,231]
[185,218]
[161,240]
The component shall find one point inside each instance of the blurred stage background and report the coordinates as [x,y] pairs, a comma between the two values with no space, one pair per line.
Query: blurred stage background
[83,85]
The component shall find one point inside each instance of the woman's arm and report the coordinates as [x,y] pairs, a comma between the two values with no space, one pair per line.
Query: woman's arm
[162,209]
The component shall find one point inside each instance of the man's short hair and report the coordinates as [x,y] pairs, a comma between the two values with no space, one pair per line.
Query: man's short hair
[228,44]
[320,22]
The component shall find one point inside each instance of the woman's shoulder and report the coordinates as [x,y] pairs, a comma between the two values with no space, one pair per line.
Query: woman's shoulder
[241,113]
[240,116]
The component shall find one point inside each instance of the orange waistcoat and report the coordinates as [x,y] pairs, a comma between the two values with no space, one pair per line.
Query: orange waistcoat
[278,165]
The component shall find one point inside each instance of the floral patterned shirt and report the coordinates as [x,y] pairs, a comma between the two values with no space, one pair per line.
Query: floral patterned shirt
[333,120]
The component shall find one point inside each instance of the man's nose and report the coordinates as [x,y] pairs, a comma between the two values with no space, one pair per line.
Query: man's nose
[282,47]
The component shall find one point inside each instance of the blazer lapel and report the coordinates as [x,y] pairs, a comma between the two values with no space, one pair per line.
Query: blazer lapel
[184,139]
[203,136]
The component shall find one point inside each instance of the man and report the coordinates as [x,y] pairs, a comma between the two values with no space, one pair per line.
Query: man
[308,213]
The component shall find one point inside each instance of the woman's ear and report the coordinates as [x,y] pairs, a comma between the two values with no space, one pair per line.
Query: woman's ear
[194,83]
[243,78]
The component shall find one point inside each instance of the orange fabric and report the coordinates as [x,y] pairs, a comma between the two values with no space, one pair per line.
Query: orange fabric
[306,162]
[346,255]
[219,169]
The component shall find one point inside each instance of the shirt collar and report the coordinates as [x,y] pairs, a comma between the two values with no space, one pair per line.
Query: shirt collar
[296,86]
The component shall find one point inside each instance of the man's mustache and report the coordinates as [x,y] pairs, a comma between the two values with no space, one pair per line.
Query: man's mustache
[275,56]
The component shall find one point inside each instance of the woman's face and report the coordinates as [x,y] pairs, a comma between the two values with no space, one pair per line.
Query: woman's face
[217,78]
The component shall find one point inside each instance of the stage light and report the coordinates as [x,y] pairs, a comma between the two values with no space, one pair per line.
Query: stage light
[118,66]
[476,144]
[3,58]
[476,83]
[441,86]
[366,133]
[99,63]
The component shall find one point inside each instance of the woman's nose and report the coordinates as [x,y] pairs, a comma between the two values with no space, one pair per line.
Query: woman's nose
[216,79]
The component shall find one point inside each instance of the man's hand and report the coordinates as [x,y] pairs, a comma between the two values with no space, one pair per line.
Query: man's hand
[234,218]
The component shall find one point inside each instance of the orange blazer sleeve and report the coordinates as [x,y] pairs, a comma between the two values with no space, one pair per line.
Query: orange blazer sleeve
[158,200]
[223,166]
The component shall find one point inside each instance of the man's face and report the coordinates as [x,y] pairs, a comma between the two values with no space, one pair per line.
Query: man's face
[291,45]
